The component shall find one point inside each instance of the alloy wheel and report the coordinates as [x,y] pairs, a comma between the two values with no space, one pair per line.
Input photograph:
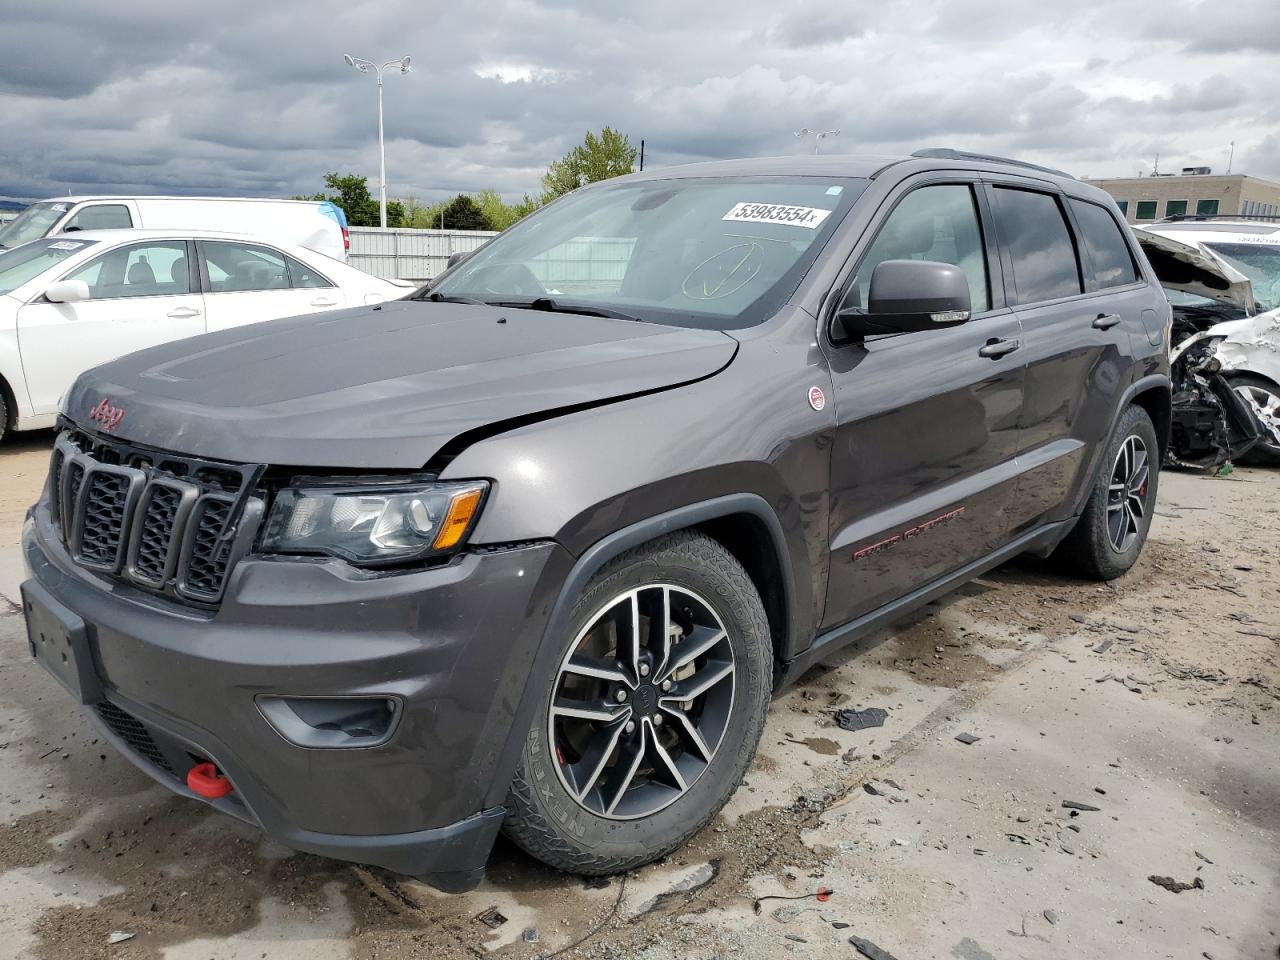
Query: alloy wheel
[1266,410]
[1127,493]
[642,701]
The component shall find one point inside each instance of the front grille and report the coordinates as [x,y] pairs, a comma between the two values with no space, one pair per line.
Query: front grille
[208,553]
[102,523]
[167,523]
[133,732]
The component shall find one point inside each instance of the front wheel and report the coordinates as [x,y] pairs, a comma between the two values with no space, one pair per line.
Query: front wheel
[1263,398]
[654,713]
[1109,535]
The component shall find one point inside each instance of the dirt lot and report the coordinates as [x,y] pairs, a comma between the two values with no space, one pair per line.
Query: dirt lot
[1155,700]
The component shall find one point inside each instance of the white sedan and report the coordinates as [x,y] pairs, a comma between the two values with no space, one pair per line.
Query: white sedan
[71,302]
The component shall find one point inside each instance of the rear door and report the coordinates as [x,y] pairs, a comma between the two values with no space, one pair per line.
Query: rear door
[923,464]
[251,282]
[1076,323]
[141,294]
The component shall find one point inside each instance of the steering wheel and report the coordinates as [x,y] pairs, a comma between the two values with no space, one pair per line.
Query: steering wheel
[506,279]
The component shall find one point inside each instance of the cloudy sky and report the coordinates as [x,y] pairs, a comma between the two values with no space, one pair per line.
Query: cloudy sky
[252,98]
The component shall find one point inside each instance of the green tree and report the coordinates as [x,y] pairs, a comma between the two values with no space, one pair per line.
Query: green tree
[596,158]
[351,192]
[463,213]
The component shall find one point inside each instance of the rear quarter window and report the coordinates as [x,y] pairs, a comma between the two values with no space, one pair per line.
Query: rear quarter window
[1034,231]
[1104,243]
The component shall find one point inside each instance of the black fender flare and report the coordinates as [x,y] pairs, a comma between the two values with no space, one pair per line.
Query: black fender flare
[543,667]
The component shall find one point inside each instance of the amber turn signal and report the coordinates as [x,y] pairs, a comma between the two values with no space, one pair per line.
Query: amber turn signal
[456,521]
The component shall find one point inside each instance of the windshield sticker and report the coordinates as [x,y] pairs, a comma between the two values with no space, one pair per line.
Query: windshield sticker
[59,208]
[834,191]
[65,245]
[810,217]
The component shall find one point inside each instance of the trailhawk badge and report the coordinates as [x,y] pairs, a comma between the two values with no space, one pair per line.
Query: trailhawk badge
[817,399]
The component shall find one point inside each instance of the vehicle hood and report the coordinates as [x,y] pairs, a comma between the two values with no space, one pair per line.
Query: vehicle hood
[1195,269]
[383,387]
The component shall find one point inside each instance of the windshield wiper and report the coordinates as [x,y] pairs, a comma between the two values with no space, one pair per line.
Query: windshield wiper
[556,306]
[446,298]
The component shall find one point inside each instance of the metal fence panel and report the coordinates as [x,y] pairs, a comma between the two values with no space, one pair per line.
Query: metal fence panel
[404,254]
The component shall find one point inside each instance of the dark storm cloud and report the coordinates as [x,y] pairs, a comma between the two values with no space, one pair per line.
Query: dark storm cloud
[247,97]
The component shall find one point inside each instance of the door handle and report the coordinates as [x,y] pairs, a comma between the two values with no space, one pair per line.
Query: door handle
[994,349]
[1105,321]
[324,302]
[183,313]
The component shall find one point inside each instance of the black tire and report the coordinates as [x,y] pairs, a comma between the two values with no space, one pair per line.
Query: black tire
[4,417]
[1266,452]
[547,820]
[1091,550]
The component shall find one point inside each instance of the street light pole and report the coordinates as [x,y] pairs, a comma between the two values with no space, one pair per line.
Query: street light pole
[364,66]
[817,137]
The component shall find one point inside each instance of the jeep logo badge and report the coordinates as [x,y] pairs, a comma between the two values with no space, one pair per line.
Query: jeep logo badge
[107,415]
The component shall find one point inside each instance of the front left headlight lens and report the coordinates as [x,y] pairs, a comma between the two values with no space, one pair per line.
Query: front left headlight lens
[373,525]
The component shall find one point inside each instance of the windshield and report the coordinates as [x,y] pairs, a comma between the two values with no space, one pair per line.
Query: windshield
[32,223]
[717,253]
[32,259]
[1260,263]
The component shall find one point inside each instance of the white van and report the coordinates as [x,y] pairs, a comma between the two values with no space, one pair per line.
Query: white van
[315,224]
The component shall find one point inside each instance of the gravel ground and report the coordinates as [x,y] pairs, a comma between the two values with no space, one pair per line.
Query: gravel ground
[1155,699]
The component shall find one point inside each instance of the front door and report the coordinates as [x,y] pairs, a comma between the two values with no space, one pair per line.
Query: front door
[140,296]
[923,467]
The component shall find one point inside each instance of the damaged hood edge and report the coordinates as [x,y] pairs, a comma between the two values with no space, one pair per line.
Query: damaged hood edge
[1200,272]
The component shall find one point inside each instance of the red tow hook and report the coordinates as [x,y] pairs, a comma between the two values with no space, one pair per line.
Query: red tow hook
[205,781]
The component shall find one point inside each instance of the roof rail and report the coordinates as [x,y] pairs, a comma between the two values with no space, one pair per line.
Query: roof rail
[946,153]
[1184,217]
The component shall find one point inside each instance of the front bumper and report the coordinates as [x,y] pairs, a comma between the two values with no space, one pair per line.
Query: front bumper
[452,646]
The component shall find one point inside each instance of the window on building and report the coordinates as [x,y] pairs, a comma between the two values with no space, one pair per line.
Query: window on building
[1146,210]
[1175,208]
[1124,206]
[1112,261]
[1039,241]
[1246,208]
[1206,208]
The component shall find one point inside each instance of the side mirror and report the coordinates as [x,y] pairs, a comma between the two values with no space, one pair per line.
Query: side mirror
[457,257]
[908,296]
[68,291]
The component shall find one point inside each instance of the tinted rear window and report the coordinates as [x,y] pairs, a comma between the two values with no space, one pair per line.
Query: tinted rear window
[1033,230]
[1105,244]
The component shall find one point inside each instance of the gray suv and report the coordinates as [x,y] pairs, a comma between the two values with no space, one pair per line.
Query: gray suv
[531,549]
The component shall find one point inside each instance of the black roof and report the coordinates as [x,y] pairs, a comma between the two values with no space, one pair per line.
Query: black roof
[853,165]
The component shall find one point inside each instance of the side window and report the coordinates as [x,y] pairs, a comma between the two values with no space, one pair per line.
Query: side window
[155,269]
[240,267]
[100,216]
[1036,235]
[300,275]
[1112,260]
[932,223]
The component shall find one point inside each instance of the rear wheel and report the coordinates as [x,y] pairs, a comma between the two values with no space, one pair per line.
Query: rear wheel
[1109,535]
[1263,398]
[4,416]
[654,713]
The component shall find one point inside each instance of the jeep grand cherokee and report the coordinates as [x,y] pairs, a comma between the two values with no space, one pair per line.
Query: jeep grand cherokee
[531,549]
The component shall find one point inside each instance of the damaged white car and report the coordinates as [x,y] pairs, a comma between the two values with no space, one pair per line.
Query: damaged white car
[1223,281]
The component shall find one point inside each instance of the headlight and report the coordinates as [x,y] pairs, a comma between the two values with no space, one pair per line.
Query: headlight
[373,524]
